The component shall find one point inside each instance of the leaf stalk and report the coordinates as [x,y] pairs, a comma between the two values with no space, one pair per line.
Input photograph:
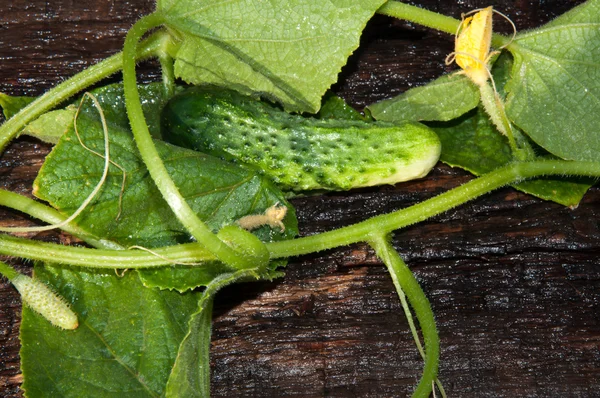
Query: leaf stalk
[184,213]
[62,92]
[405,281]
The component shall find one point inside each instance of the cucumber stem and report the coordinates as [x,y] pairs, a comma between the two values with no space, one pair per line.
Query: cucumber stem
[385,223]
[151,158]
[104,259]
[51,216]
[7,271]
[13,126]
[168,74]
[419,15]
[405,307]
[494,107]
[430,19]
[405,281]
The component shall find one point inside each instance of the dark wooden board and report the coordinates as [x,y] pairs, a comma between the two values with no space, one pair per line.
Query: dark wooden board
[514,281]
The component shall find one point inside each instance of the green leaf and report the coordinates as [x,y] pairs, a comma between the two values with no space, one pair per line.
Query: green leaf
[555,92]
[51,125]
[126,343]
[112,100]
[334,107]
[13,104]
[290,50]
[182,277]
[445,98]
[190,376]
[472,143]
[219,192]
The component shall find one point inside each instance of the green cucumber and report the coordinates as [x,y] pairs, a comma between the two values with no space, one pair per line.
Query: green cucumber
[299,153]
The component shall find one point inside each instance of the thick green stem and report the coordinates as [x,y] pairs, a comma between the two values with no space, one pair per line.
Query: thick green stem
[156,167]
[51,216]
[386,223]
[189,253]
[495,110]
[12,127]
[405,281]
[419,15]
[430,19]
[409,319]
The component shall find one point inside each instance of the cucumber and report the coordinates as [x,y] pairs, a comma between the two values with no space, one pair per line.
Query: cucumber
[298,153]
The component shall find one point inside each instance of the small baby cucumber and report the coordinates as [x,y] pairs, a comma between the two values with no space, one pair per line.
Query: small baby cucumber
[299,153]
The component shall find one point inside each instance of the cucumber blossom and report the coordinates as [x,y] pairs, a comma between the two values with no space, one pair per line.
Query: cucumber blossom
[299,153]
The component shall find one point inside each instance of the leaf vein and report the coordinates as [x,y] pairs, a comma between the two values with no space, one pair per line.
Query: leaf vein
[131,371]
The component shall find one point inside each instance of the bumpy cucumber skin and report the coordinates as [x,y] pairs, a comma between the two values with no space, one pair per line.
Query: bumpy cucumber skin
[296,152]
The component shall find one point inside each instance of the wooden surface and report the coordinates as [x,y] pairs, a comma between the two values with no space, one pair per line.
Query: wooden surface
[514,281]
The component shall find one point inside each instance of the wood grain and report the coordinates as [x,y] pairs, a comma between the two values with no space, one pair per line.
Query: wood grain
[514,281]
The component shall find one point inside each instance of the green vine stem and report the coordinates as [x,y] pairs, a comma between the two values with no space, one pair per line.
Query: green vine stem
[51,216]
[188,254]
[494,107]
[495,110]
[405,281]
[430,19]
[419,15]
[359,232]
[386,223]
[154,44]
[156,167]
[409,319]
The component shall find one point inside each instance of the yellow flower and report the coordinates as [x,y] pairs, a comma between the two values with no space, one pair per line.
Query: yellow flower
[472,47]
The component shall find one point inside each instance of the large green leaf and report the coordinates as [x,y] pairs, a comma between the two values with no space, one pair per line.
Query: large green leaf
[112,100]
[131,335]
[555,92]
[291,50]
[219,192]
[443,99]
[126,343]
[472,143]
